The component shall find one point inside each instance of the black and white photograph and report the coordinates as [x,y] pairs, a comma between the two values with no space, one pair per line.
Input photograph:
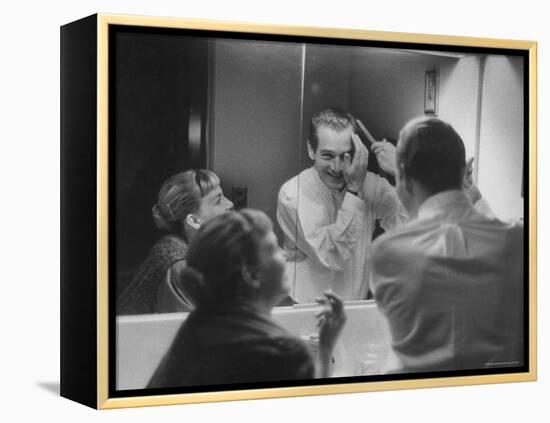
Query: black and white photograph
[291,211]
[275,211]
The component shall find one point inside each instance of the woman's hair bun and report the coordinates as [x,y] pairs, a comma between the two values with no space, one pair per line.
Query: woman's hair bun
[160,221]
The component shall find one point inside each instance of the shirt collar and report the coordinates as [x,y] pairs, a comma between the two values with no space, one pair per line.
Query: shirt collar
[443,202]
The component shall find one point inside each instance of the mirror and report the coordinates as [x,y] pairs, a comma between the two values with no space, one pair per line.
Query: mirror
[242,108]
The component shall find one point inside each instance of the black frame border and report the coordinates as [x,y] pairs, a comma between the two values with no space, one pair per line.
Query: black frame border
[114,393]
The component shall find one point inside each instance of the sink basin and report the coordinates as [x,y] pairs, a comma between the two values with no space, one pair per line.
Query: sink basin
[361,350]
[364,344]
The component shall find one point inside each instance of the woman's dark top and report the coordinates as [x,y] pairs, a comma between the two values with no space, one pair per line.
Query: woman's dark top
[232,344]
[141,296]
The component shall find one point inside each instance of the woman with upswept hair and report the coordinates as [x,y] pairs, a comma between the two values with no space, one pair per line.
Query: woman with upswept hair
[185,201]
[236,274]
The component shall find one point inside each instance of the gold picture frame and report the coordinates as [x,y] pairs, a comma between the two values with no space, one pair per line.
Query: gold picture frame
[87,308]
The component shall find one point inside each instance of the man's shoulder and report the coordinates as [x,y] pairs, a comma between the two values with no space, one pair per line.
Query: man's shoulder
[475,220]
[415,237]
[403,242]
[396,241]
[290,185]
[511,230]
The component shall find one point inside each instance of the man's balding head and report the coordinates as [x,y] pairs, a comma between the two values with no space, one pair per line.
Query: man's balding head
[430,159]
[432,153]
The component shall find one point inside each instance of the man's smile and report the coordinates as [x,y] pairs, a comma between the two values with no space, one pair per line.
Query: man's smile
[335,175]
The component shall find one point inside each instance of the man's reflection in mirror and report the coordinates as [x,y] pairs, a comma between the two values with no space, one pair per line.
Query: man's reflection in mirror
[328,212]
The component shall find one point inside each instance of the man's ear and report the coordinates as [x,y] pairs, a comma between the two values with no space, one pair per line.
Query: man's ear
[193,220]
[400,171]
[403,177]
[310,151]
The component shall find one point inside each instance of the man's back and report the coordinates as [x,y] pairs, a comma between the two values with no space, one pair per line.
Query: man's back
[451,285]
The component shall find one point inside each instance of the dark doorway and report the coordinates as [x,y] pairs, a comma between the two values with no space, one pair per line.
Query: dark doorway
[159,98]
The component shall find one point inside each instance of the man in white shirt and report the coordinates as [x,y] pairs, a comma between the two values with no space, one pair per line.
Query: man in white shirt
[327,213]
[450,282]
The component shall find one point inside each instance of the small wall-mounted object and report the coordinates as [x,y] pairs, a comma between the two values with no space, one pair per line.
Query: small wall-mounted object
[431,92]
[239,196]
[133,112]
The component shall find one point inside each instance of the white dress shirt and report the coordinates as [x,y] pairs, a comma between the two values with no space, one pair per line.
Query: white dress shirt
[451,284]
[327,233]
